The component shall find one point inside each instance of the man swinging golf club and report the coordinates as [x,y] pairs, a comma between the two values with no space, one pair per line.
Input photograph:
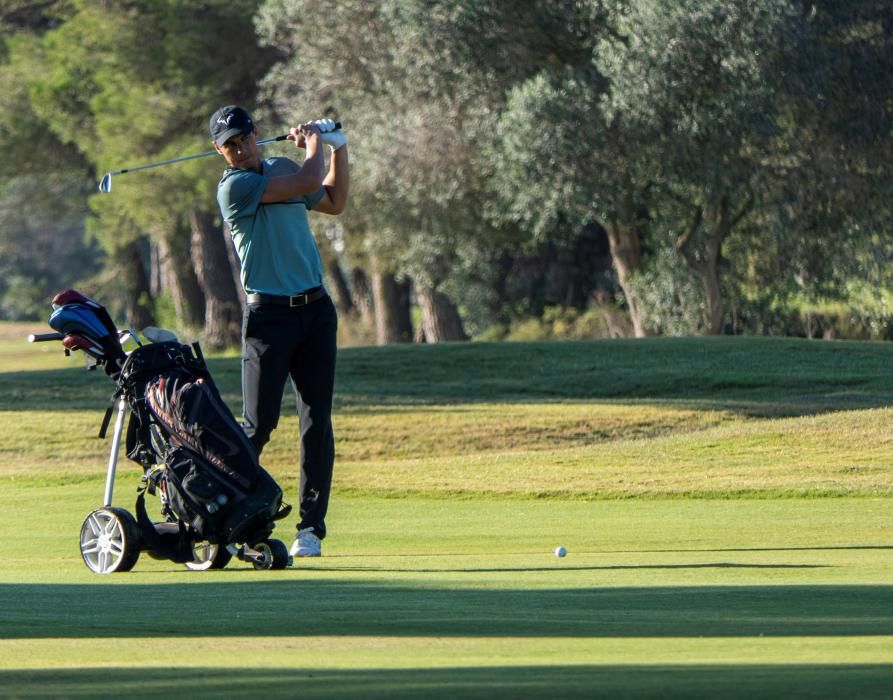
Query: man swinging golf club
[290,322]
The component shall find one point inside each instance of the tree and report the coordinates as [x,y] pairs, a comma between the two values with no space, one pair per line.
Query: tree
[560,162]
[423,82]
[732,156]
[698,76]
[830,165]
[43,182]
[349,80]
[770,118]
[134,106]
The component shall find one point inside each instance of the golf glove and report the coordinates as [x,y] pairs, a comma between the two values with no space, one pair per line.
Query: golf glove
[324,125]
[328,135]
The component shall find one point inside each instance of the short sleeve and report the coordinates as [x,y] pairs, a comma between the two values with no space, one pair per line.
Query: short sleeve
[239,193]
[311,200]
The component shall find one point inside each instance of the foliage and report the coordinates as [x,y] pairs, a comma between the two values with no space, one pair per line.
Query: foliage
[34,240]
[137,106]
[831,193]
[671,299]
[43,186]
[422,83]
[410,194]
[718,165]
[562,323]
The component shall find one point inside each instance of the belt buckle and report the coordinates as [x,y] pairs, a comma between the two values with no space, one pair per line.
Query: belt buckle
[298,300]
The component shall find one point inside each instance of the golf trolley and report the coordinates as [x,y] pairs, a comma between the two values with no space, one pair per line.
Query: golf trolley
[216,500]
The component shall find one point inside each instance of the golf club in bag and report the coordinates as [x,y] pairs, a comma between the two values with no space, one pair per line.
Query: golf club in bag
[216,500]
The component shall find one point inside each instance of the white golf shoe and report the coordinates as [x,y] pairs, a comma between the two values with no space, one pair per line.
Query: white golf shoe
[306,544]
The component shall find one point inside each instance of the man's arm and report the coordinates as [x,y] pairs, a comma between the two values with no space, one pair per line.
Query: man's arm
[308,178]
[336,184]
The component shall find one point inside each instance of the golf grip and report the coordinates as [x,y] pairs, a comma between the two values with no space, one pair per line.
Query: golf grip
[42,337]
[285,136]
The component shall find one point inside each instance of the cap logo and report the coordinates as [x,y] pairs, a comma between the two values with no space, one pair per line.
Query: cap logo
[227,121]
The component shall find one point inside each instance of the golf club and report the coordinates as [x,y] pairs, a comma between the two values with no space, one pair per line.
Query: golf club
[105,185]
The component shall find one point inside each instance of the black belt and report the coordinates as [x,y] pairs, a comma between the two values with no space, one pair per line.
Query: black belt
[293,301]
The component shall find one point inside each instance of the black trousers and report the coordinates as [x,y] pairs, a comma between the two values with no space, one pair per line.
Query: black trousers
[281,342]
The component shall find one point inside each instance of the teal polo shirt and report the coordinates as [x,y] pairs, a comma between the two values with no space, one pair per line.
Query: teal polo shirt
[276,248]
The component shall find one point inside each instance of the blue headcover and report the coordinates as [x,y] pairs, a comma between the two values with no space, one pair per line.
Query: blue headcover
[78,319]
[83,316]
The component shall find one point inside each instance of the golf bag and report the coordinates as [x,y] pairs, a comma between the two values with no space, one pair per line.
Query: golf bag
[195,456]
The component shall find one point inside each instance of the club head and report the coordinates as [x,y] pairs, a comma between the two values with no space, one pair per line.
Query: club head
[159,335]
[105,185]
[79,342]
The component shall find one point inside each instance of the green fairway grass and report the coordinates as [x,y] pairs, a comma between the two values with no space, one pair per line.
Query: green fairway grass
[725,503]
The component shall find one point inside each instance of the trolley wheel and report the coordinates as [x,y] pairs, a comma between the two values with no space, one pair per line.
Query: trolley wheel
[110,540]
[208,556]
[275,553]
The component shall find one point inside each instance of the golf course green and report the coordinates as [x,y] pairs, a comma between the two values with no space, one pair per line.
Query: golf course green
[725,503]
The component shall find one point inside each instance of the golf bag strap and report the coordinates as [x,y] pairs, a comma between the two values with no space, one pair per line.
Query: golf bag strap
[107,418]
[103,429]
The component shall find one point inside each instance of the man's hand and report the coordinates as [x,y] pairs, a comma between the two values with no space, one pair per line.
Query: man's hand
[324,125]
[328,134]
[300,134]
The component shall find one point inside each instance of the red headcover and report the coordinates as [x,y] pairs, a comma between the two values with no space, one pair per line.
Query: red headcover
[68,296]
[79,342]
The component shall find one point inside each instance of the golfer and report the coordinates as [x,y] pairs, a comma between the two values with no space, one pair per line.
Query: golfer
[290,322]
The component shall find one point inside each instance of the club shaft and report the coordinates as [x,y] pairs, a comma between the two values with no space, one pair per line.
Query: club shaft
[182,158]
[283,137]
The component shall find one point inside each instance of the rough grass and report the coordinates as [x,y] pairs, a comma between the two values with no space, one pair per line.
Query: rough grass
[604,419]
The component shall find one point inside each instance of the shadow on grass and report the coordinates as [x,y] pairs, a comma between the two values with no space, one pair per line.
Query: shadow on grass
[581,681]
[527,569]
[753,376]
[763,549]
[307,604]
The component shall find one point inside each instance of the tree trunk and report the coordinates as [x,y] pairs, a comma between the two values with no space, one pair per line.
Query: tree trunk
[338,287]
[392,319]
[725,220]
[179,280]
[626,254]
[137,307]
[440,317]
[627,258]
[156,271]
[361,296]
[710,278]
[705,262]
[223,312]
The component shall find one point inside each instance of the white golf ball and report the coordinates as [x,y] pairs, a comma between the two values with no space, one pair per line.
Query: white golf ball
[560,552]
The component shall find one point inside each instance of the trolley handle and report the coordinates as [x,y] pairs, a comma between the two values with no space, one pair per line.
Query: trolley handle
[43,337]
